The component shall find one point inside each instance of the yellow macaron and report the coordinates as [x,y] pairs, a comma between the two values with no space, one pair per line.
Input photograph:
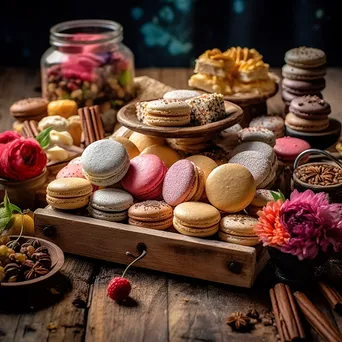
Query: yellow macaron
[206,164]
[129,146]
[238,229]
[196,219]
[141,141]
[68,193]
[230,187]
[167,154]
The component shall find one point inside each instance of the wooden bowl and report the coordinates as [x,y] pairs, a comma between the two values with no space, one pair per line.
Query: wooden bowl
[127,117]
[57,261]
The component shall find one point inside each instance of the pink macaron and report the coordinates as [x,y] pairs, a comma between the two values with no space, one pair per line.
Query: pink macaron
[71,171]
[179,182]
[288,148]
[145,176]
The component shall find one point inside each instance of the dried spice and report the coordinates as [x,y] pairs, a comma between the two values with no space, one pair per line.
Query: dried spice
[239,321]
[323,175]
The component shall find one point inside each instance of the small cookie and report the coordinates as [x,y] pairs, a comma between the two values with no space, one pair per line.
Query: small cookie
[34,108]
[273,123]
[288,148]
[299,74]
[305,57]
[238,225]
[305,125]
[257,134]
[310,107]
[141,141]
[303,87]
[257,146]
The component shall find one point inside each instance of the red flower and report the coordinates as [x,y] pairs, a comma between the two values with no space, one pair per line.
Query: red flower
[8,136]
[22,159]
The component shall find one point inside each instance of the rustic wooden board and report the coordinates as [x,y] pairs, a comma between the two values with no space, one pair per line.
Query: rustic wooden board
[166,251]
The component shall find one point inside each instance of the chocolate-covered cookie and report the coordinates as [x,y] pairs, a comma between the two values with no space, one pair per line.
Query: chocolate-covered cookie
[303,87]
[310,107]
[305,57]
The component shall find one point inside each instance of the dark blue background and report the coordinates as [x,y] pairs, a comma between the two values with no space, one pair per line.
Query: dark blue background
[169,33]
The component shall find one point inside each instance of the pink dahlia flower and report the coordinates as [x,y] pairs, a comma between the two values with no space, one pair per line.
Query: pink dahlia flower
[313,224]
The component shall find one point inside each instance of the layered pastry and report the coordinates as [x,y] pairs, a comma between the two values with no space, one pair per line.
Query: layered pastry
[236,70]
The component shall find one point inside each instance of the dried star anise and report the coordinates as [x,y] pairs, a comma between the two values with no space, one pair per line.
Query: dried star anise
[239,321]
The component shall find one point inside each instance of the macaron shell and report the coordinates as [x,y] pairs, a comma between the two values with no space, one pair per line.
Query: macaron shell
[196,215]
[240,225]
[131,149]
[71,171]
[107,216]
[181,94]
[197,232]
[69,188]
[148,211]
[257,134]
[68,203]
[304,125]
[274,123]
[179,182]
[256,146]
[200,186]
[206,164]
[167,154]
[288,148]
[311,107]
[141,141]
[230,187]
[162,121]
[262,197]
[305,57]
[111,200]
[160,225]
[239,240]
[303,87]
[294,73]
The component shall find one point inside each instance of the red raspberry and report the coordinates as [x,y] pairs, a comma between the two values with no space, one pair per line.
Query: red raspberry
[118,289]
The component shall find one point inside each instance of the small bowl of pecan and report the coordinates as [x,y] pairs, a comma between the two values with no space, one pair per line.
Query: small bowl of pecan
[325,176]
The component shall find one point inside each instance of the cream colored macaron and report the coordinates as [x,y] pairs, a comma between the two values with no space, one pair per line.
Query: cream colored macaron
[130,147]
[206,164]
[230,187]
[167,154]
[141,141]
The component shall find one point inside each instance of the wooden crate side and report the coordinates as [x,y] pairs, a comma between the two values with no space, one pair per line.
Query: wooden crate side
[166,251]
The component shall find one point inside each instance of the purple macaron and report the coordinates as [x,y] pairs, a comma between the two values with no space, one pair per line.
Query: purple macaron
[310,107]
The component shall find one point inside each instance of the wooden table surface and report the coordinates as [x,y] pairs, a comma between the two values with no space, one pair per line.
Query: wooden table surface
[74,307]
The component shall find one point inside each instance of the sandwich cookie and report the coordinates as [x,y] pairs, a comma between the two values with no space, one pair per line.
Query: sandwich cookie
[257,134]
[303,87]
[141,141]
[206,164]
[260,200]
[238,229]
[151,214]
[144,179]
[230,187]
[167,113]
[167,154]
[273,123]
[110,204]
[288,148]
[300,74]
[257,164]
[29,109]
[304,125]
[181,94]
[68,193]
[183,182]
[228,139]
[310,107]
[130,148]
[105,162]
[305,57]
[196,219]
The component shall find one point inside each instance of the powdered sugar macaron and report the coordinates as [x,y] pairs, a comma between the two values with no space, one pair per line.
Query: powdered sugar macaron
[274,123]
[257,146]
[105,162]
[110,204]
[257,134]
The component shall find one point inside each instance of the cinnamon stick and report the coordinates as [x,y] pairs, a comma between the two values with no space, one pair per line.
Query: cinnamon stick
[34,127]
[28,129]
[286,314]
[332,296]
[90,128]
[84,126]
[316,319]
[99,122]
[94,123]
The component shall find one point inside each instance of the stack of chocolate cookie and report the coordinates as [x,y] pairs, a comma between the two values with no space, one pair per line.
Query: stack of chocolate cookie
[303,73]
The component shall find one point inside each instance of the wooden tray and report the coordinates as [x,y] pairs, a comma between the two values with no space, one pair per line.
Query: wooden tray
[166,251]
[127,117]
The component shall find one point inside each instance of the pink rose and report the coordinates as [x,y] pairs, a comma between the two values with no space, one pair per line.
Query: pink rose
[22,159]
[8,136]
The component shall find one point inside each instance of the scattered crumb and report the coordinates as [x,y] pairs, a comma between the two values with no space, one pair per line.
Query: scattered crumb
[51,327]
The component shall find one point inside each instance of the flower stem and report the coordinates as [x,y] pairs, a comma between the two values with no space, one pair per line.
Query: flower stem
[22,228]
[143,253]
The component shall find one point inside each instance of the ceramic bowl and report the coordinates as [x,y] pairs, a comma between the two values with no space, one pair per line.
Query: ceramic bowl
[321,140]
[57,261]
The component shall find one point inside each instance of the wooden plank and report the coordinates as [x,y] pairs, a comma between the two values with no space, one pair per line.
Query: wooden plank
[167,251]
[143,319]
[55,312]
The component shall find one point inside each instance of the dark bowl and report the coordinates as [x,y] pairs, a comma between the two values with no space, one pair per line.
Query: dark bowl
[321,140]
[57,260]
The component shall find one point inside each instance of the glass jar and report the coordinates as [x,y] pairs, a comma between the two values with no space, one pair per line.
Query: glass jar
[87,62]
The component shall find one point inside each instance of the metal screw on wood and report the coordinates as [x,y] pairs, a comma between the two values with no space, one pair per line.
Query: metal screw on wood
[49,231]
[235,267]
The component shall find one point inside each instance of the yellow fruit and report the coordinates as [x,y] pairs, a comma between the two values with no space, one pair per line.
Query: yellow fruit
[64,108]
[15,225]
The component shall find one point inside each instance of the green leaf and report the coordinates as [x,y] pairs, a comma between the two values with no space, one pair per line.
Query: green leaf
[278,195]
[14,208]
[43,138]
[282,197]
[5,217]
